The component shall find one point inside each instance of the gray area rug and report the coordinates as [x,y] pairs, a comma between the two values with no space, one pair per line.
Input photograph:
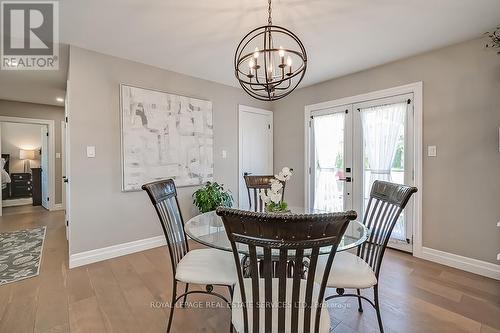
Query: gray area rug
[20,254]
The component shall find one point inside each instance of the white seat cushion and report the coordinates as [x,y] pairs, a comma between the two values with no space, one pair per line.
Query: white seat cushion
[207,266]
[348,271]
[237,310]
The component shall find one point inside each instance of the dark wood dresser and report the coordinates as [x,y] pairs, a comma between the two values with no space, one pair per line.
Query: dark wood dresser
[20,185]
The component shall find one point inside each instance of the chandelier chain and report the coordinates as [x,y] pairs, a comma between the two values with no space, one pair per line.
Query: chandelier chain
[269,20]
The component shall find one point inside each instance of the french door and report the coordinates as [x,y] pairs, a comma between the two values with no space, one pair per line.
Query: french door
[351,146]
[331,159]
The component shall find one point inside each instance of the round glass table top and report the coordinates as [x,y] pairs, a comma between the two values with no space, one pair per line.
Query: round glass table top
[208,229]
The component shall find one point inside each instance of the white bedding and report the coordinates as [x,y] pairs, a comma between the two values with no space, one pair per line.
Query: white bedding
[5,176]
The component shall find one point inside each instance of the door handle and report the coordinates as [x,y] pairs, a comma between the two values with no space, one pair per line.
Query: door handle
[346,179]
[247,173]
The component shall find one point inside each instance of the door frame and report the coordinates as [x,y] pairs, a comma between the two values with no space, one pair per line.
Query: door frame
[51,151]
[250,109]
[417,89]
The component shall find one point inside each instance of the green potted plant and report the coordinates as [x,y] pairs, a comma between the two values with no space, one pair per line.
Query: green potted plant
[211,196]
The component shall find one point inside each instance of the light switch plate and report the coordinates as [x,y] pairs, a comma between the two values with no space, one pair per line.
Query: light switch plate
[58,155]
[431,151]
[91,151]
[224,154]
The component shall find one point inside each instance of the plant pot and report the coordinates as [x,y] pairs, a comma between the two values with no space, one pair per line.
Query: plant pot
[278,211]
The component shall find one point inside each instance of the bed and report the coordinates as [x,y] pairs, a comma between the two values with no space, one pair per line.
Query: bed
[5,163]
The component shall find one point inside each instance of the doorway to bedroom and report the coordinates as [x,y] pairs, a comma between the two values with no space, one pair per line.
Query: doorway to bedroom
[24,161]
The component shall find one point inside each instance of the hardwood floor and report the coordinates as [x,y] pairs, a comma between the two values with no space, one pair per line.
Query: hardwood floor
[128,294]
[14,210]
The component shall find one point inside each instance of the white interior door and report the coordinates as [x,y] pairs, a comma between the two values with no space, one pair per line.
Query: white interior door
[330,169]
[63,162]
[44,164]
[66,155]
[255,146]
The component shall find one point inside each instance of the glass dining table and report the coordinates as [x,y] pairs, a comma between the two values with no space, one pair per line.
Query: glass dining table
[208,229]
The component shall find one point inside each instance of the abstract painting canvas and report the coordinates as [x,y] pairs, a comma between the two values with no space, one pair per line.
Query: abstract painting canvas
[165,136]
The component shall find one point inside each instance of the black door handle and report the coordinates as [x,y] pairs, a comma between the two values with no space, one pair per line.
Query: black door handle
[346,179]
[247,173]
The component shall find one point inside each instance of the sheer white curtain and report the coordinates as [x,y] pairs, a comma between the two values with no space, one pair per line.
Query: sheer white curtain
[329,148]
[381,128]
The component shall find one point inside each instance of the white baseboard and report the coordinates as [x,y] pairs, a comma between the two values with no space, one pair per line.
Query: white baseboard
[88,257]
[58,206]
[17,202]
[475,266]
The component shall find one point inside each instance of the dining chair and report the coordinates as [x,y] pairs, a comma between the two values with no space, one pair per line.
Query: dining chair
[254,185]
[268,301]
[209,267]
[361,271]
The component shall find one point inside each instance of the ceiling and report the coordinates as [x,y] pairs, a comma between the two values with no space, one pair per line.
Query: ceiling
[199,38]
[36,86]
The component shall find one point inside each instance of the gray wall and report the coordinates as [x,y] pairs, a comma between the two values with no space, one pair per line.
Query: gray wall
[461,186]
[40,111]
[17,136]
[101,215]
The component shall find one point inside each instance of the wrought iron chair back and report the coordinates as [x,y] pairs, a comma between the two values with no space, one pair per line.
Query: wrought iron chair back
[163,195]
[273,241]
[387,201]
[254,185]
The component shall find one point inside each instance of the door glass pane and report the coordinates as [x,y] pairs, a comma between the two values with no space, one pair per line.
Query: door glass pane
[384,150]
[329,162]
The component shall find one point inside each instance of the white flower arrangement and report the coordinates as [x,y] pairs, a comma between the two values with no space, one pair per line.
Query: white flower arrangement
[272,198]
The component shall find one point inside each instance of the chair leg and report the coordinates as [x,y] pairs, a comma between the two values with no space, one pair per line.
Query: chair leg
[377,308]
[360,306]
[172,306]
[231,293]
[185,296]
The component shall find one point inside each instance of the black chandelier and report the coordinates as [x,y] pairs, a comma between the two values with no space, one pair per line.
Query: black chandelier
[267,72]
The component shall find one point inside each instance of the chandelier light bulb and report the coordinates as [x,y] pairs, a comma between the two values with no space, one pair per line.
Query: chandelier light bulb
[289,61]
[281,52]
[256,53]
[251,63]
